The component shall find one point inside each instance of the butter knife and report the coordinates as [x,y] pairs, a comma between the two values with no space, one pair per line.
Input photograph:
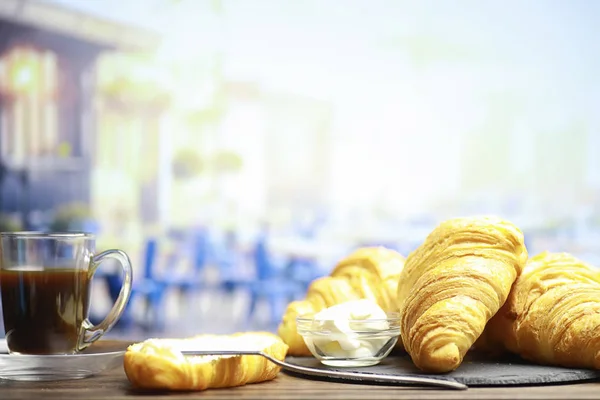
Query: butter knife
[413,380]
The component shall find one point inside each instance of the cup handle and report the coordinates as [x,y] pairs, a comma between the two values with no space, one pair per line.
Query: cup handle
[90,333]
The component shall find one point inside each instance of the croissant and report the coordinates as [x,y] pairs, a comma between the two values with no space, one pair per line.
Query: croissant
[453,284]
[552,315]
[159,364]
[367,273]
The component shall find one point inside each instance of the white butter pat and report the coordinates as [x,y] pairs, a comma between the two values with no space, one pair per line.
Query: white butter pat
[353,328]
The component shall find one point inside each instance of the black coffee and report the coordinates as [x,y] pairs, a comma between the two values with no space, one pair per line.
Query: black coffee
[44,309]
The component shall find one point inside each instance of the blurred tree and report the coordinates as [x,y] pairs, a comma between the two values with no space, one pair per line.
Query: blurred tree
[69,216]
[187,163]
[227,161]
[199,118]
[64,150]
[9,223]
[425,50]
[215,5]
[488,160]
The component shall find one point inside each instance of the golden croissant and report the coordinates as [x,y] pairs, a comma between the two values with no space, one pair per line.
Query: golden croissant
[453,284]
[552,315]
[159,364]
[367,273]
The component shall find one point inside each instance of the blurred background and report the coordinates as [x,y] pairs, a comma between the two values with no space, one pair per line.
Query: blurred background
[237,149]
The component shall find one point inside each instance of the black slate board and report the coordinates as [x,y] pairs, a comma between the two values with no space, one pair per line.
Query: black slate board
[476,370]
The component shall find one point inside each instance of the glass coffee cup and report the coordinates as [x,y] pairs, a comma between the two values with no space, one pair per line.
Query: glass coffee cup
[45,286]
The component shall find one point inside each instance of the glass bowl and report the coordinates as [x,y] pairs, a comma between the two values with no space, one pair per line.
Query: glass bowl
[349,343]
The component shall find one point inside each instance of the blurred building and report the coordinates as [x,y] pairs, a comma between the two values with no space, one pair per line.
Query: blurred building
[561,160]
[487,161]
[514,159]
[298,148]
[132,148]
[47,114]
[267,152]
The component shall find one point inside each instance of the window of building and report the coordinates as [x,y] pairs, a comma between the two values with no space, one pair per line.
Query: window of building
[38,120]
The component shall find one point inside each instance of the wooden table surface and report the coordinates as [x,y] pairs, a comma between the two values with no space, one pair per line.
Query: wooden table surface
[114,385]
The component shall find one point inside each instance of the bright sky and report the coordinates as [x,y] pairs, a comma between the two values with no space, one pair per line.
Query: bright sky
[357,55]
[319,47]
[353,55]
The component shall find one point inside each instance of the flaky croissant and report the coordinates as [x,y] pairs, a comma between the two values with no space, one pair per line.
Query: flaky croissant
[453,284]
[552,315]
[367,273]
[159,363]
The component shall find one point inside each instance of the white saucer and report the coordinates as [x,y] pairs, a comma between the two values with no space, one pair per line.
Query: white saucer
[101,356]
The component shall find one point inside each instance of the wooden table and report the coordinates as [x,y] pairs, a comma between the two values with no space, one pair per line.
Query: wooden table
[114,385]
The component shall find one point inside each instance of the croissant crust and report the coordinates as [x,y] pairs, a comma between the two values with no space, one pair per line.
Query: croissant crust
[453,284]
[552,315]
[367,273]
[159,363]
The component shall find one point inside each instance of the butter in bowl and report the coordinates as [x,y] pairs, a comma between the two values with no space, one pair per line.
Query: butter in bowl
[356,333]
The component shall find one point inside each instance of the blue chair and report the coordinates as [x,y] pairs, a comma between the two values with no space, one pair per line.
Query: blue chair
[303,271]
[153,288]
[271,284]
[228,259]
[150,288]
[146,288]
[197,246]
